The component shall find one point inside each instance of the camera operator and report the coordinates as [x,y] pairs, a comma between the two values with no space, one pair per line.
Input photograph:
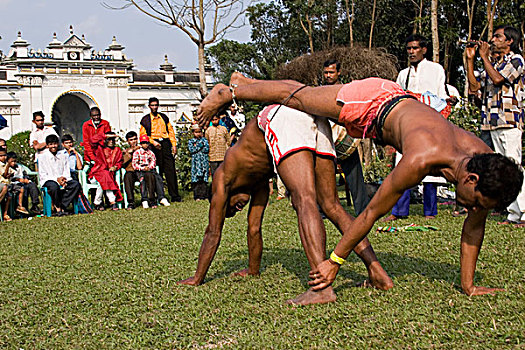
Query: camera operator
[501,83]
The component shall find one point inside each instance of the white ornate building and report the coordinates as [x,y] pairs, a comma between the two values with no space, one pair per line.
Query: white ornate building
[68,78]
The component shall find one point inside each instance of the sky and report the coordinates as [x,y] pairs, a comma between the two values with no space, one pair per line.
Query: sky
[146,41]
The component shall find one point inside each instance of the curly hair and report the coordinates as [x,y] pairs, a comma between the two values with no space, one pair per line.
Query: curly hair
[500,178]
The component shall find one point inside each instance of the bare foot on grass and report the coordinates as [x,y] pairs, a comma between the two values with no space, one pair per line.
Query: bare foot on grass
[323,296]
[377,278]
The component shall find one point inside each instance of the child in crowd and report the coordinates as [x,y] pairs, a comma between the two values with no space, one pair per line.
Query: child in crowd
[23,187]
[75,159]
[6,172]
[199,149]
[144,163]
[219,140]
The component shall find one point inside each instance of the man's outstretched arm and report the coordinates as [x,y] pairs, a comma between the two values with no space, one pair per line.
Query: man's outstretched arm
[254,235]
[471,241]
[408,173]
[212,236]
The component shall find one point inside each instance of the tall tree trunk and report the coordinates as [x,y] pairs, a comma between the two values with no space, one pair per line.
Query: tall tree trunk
[418,14]
[491,11]
[350,19]
[202,70]
[308,29]
[435,33]
[372,24]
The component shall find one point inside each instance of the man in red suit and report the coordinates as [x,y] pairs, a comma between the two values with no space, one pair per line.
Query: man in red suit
[95,126]
[108,159]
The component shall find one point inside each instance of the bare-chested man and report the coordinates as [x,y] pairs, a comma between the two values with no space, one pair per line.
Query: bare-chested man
[430,144]
[245,173]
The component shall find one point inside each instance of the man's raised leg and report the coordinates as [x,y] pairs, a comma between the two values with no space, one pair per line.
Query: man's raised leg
[319,100]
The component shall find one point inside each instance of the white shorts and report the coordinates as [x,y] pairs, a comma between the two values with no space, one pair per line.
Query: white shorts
[288,130]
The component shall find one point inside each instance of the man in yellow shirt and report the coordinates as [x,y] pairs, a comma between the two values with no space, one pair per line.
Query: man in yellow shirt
[162,137]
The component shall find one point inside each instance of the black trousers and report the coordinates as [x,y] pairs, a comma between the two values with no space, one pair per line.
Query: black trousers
[130,177]
[354,178]
[200,189]
[62,198]
[166,163]
[213,167]
[31,191]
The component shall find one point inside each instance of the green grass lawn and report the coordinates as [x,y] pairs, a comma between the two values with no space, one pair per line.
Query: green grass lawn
[107,280]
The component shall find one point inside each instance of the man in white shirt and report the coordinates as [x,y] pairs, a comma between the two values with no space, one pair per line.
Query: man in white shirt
[421,76]
[53,170]
[238,118]
[37,138]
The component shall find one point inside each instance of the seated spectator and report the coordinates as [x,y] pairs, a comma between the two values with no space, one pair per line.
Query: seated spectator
[144,163]
[6,172]
[131,176]
[199,149]
[108,159]
[3,144]
[23,187]
[75,159]
[54,174]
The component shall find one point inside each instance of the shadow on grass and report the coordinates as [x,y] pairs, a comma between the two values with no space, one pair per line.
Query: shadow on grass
[294,261]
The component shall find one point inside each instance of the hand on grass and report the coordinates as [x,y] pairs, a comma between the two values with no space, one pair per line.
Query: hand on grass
[324,275]
[477,290]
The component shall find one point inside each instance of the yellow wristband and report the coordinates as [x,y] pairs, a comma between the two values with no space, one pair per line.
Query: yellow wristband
[337,259]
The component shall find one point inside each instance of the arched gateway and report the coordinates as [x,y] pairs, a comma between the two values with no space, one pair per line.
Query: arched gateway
[70,110]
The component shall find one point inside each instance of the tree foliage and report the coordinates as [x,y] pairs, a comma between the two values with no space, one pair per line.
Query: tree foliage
[283,30]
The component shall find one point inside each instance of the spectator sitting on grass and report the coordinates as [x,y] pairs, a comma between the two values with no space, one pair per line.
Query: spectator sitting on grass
[54,174]
[108,159]
[6,172]
[75,159]
[23,187]
[199,149]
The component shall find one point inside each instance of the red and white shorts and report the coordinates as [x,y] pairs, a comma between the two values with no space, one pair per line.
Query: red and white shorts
[287,130]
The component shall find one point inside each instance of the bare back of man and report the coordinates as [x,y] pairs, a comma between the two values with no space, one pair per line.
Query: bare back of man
[244,174]
[430,145]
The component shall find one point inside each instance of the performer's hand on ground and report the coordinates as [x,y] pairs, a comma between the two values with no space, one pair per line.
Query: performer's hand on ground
[324,275]
[478,290]
[192,281]
[218,97]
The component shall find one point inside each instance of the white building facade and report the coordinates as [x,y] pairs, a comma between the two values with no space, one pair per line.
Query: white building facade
[68,78]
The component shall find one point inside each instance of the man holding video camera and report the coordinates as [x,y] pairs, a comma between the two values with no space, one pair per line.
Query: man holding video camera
[502,86]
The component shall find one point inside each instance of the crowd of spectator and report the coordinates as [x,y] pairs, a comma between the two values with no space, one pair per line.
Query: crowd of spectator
[67,176]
